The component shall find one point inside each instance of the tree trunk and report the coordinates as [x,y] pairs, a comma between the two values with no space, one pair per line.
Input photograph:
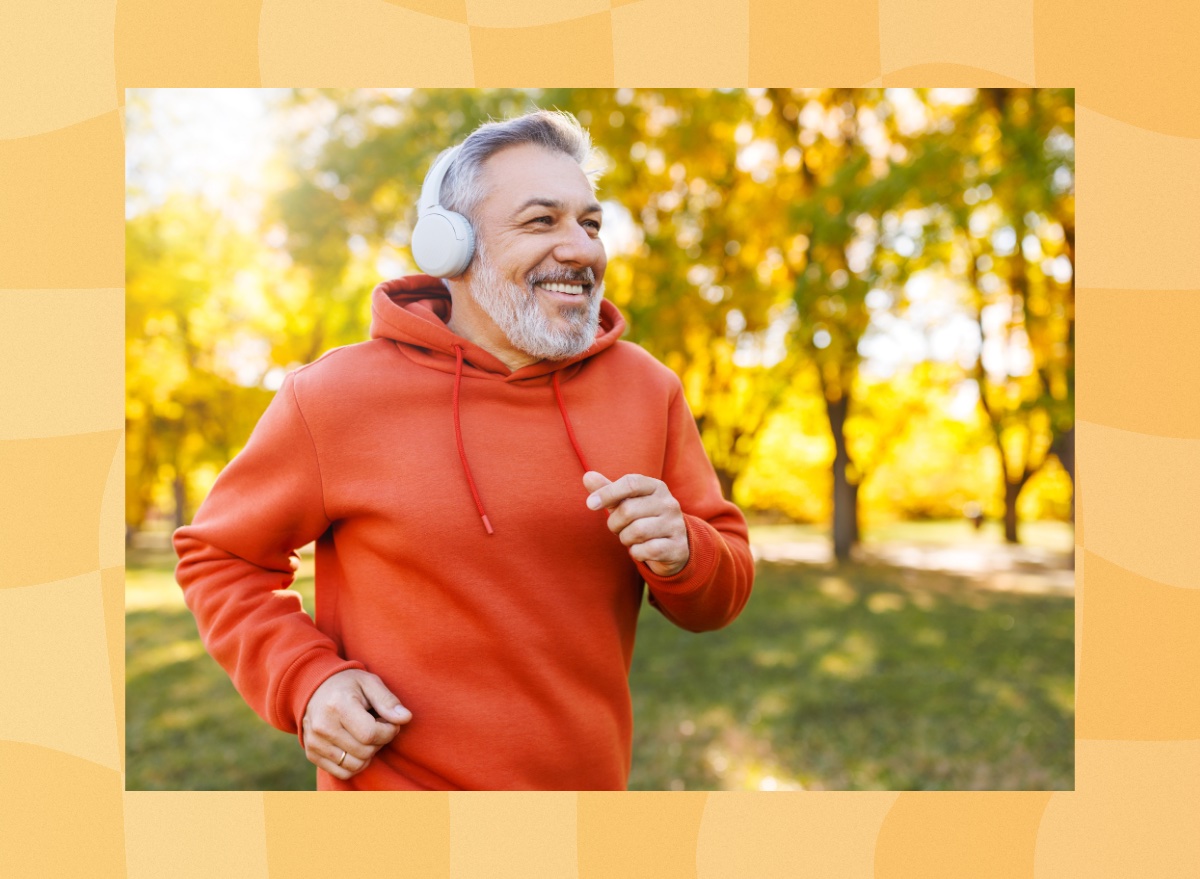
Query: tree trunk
[180,500]
[1011,493]
[1064,448]
[845,514]
[725,478]
[845,492]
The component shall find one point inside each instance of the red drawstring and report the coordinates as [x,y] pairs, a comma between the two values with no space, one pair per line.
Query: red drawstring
[462,455]
[562,407]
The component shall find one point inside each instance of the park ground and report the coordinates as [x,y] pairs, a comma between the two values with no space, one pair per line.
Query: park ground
[939,659]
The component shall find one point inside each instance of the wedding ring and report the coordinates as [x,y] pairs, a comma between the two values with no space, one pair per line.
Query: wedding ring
[343,757]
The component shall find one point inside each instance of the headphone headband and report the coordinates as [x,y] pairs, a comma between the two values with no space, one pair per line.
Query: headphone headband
[431,190]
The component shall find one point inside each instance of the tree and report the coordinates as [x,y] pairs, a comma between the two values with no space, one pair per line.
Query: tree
[1009,195]
[850,167]
[760,237]
[189,329]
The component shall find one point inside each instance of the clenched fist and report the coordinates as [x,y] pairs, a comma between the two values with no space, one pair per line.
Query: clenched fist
[341,735]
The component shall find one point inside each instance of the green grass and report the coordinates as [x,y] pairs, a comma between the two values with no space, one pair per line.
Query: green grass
[864,677]
[186,727]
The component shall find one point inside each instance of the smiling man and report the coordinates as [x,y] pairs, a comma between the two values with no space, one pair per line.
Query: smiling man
[493,483]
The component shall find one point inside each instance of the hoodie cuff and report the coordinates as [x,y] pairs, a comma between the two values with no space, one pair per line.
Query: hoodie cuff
[299,682]
[702,561]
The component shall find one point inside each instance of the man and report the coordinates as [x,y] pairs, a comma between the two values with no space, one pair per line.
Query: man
[478,575]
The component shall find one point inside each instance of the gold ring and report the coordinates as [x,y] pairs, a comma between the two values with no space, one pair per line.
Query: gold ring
[343,757]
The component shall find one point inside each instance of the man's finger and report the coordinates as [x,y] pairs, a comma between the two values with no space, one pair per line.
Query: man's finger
[348,768]
[333,769]
[643,530]
[367,730]
[659,557]
[383,700]
[383,733]
[632,509]
[630,485]
[593,481]
[348,742]
[653,550]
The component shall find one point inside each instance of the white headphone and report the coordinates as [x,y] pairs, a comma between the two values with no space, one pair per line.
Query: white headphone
[443,241]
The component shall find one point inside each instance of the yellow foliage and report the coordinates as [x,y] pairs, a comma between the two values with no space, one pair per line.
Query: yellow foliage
[789,469]
[1047,494]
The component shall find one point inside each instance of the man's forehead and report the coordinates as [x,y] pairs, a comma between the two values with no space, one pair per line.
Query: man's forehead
[530,175]
[589,206]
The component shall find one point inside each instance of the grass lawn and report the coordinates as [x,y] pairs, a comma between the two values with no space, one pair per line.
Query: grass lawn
[860,677]
[186,727]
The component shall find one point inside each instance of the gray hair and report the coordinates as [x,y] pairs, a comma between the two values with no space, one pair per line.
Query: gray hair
[462,188]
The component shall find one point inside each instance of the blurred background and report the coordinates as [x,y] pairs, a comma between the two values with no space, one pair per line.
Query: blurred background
[869,297]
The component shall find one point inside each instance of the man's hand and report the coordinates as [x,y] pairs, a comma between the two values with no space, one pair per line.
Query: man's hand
[338,720]
[645,516]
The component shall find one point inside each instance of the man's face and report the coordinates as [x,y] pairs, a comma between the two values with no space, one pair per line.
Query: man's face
[538,270]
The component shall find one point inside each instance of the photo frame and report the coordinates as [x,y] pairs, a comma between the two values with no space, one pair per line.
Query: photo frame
[65,811]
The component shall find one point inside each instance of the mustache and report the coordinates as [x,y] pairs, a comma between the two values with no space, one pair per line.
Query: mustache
[564,276]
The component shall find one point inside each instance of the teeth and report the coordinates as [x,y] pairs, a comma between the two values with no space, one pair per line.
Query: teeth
[573,289]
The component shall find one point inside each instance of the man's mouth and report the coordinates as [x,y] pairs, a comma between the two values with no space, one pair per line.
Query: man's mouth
[571,288]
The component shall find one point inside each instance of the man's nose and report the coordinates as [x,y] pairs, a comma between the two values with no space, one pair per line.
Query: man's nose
[576,246]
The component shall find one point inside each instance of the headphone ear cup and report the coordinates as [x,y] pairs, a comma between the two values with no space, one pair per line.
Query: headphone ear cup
[443,243]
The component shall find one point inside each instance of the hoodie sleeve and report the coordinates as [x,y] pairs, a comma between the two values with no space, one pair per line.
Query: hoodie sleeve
[238,558]
[715,584]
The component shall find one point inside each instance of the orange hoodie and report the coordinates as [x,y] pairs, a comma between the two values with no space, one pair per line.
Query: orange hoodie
[511,648]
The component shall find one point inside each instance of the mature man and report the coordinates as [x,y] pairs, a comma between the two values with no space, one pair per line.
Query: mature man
[478,575]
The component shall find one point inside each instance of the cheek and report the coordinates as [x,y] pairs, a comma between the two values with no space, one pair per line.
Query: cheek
[530,262]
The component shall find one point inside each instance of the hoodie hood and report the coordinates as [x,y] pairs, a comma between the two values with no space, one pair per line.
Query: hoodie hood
[413,312]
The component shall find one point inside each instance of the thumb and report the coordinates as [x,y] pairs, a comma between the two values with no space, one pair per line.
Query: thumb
[385,703]
[593,481]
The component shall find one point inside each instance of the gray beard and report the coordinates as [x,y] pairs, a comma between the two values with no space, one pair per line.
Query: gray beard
[518,313]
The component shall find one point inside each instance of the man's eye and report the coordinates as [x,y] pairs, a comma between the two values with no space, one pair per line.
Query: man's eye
[592,224]
[546,220]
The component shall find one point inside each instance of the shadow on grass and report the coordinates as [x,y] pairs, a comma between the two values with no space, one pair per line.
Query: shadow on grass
[865,677]
[186,727]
